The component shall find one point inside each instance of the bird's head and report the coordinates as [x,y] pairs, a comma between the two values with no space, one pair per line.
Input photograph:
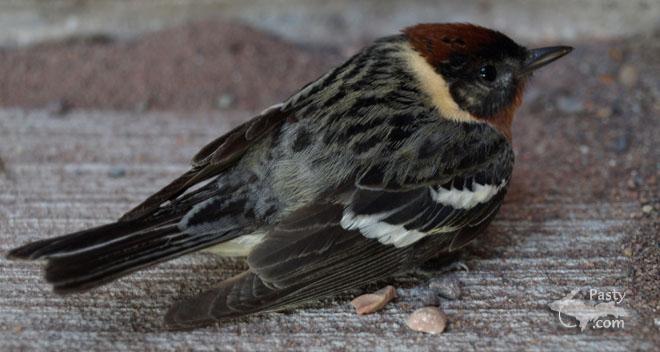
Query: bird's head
[474,73]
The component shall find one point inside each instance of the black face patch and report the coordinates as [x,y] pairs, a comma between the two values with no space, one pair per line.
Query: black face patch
[484,99]
[485,82]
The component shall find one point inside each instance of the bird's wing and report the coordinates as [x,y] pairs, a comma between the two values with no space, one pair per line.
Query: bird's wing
[307,256]
[328,247]
[450,179]
[402,218]
[214,158]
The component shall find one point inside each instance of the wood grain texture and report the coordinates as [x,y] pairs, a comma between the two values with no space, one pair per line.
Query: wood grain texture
[84,169]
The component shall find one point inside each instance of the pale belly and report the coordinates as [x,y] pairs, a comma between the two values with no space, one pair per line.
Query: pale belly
[238,247]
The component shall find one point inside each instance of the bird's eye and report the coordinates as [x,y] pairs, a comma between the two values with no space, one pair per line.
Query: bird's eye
[488,73]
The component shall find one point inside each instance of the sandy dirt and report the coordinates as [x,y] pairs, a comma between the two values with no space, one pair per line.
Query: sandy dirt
[205,65]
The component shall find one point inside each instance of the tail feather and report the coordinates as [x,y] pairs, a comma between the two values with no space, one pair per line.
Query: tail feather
[86,259]
[87,270]
[76,241]
[91,258]
[102,236]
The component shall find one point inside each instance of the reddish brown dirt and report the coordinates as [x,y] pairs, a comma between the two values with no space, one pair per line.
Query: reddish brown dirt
[199,66]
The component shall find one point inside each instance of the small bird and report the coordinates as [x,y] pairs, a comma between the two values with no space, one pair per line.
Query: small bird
[399,156]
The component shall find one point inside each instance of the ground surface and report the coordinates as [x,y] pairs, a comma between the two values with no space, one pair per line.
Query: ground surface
[582,213]
[200,66]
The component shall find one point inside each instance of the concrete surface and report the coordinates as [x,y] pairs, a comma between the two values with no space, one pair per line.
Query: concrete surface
[64,173]
[327,22]
[582,213]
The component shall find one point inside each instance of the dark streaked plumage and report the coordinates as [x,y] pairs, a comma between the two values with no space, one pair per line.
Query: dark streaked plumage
[397,156]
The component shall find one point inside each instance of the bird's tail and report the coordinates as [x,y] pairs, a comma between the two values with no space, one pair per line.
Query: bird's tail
[83,260]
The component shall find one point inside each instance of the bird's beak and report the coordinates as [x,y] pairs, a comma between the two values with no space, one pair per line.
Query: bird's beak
[540,57]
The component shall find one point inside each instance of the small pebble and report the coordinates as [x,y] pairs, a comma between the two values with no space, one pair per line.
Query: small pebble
[569,105]
[117,172]
[621,143]
[628,75]
[616,54]
[225,101]
[446,286]
[428,319]
[647,209]
[606,79]
[372,302]
[604,112]
[58,107]
[634,181]
[584,149]
[627,252]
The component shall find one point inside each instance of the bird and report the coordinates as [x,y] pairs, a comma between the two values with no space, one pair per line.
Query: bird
[398,156]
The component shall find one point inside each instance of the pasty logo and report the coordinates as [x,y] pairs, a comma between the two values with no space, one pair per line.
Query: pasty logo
[589,311]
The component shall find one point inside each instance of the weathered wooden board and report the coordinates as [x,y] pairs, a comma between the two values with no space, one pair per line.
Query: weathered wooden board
[64,173]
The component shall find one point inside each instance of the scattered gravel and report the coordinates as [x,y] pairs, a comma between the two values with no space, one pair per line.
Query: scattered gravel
[628,75]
